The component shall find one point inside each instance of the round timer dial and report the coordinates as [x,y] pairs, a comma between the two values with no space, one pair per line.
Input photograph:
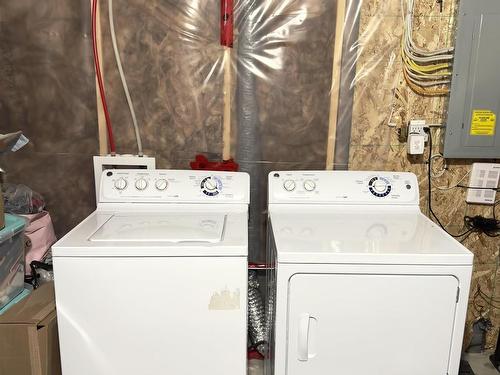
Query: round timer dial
[380,187]
[211,186]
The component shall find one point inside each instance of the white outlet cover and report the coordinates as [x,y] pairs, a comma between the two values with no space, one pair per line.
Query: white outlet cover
[483,175]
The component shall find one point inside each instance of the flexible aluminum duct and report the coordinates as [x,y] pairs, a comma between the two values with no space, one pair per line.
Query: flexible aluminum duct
[256,315]
[271,287]
[248,139]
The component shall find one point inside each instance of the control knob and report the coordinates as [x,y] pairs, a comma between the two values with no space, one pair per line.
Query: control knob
[309,185]
[121,184]
[161,184]
[211,186]
[380,186]
[141,184]
[289,185]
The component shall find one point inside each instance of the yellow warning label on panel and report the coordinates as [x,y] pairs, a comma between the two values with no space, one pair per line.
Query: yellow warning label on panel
[483,122]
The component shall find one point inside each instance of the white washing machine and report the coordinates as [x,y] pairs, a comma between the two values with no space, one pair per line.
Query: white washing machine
[365,283]
[155,280]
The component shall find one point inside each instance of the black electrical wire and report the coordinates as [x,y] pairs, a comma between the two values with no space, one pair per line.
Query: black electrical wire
[429,177]
[474,224]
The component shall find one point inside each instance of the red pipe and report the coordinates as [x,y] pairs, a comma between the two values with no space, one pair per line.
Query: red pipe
[111,140]
[226,23]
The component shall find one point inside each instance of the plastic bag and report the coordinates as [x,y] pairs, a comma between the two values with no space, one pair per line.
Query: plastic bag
[22,200]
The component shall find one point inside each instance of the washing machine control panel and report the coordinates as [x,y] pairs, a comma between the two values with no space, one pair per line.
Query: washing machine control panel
[174,186]
[343,187]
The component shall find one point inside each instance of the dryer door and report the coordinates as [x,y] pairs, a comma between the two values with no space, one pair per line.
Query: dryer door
[352,324]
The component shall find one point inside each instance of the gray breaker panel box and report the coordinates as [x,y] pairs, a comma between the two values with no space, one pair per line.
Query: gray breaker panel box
[472,129]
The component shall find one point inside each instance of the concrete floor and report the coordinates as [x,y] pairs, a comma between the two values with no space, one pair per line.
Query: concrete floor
[481,364]
[255,367]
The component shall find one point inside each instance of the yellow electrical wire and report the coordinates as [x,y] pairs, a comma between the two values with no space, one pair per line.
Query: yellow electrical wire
[425,91]
[425,73]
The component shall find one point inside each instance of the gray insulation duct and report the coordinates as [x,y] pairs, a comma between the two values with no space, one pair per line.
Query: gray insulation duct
[257,325]
[248,139]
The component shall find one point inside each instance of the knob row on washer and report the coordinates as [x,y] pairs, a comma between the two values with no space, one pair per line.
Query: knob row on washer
[141,184]
[291,185]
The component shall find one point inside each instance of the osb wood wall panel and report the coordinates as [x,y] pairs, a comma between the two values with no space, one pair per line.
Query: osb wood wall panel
[47,90]
[374,145]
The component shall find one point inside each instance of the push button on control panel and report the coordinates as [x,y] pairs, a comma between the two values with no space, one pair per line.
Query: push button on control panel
[380,187]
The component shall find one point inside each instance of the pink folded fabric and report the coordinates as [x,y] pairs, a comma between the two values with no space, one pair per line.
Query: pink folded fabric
[40,232]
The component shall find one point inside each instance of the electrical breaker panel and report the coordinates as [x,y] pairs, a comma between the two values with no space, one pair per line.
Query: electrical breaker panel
[472,127]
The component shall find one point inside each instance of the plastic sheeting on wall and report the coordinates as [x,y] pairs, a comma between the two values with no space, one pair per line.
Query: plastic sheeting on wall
[47,90]
[284,88]
[281,67]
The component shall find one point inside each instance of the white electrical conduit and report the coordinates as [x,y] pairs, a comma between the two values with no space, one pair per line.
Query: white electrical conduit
[426,59]
[425,79]
[409,35]
[419,75]
[122,77]
[433,58]
[429,84]
[424,69]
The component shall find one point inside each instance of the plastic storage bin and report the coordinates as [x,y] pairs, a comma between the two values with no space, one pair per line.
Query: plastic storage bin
[11,258]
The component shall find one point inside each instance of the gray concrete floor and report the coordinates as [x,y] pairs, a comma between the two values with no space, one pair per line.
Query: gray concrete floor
[255,367]
[481,364]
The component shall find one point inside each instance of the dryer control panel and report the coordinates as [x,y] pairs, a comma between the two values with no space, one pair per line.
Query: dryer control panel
[174,186]
[343,187]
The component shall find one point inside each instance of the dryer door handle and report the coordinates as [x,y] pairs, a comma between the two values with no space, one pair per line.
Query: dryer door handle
[303,337]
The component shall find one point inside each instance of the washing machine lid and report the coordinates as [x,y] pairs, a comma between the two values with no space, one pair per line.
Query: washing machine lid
[177,232]
[172,227]
[361,235]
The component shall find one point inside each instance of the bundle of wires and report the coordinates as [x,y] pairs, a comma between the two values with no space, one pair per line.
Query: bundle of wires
[426,72]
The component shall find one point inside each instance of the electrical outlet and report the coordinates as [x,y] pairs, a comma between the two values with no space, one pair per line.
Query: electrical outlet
[416,137]
[484,176]
[417,127]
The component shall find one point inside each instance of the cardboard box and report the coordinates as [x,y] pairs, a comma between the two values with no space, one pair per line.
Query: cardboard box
[29,343]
